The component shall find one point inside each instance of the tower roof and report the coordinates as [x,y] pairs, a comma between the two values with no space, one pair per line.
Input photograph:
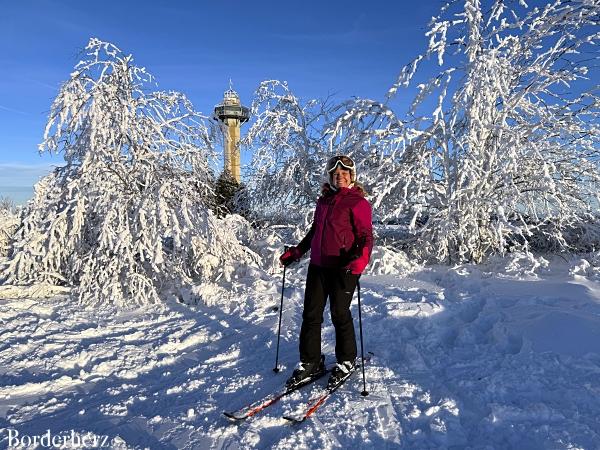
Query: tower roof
[230,97]
[230,94]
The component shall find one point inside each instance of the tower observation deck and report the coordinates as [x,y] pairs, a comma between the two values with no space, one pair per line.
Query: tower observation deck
[232,114]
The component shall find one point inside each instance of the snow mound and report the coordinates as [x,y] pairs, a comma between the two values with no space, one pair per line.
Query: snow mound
[463,357]
[41,290]
[387,260]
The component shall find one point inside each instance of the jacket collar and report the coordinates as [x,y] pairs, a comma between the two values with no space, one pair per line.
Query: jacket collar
[329,189]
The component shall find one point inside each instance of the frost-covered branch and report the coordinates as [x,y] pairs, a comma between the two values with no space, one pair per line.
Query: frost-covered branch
[289,148]
[513,143]
[128,215]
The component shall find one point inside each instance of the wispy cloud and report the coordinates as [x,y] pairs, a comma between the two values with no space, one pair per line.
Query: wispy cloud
[342,36]
[360,31]
[6,108]
[21,174]
[53,87]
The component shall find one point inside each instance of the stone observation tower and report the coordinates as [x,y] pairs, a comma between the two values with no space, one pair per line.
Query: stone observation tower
[233,115]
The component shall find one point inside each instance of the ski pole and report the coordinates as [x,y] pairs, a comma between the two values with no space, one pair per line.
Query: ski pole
[276,369]
[364,393]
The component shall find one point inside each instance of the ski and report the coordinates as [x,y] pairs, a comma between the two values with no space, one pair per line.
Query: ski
[254,408]
[316,401]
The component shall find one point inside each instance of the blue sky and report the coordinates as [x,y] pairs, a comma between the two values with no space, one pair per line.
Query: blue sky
[350,48]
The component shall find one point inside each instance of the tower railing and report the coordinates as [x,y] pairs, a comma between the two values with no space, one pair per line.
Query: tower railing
[241,113]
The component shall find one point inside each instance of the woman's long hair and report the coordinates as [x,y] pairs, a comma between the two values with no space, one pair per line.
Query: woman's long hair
[328,189]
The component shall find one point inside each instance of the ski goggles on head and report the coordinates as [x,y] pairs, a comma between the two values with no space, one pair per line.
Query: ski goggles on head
[340,160]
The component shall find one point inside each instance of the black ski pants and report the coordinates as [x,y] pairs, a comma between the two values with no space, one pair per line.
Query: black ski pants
[337,285]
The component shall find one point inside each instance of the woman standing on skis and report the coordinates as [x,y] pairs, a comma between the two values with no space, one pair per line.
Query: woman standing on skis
[340,242]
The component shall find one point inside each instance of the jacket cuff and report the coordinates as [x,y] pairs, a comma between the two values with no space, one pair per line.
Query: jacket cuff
[358,266]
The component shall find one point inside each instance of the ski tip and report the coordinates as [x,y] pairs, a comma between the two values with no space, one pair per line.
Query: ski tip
[232,416]
[293,420]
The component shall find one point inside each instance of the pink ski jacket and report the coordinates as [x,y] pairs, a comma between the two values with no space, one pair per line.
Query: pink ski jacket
[341,234]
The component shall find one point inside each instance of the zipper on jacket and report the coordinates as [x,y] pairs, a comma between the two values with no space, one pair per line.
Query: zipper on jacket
[327,215]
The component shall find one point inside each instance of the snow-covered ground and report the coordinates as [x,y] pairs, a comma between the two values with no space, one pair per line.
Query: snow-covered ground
[494,356]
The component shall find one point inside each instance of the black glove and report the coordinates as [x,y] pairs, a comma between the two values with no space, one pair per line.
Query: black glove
[354,252]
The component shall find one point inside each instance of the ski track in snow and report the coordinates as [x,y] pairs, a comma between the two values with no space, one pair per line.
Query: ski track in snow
[463,359]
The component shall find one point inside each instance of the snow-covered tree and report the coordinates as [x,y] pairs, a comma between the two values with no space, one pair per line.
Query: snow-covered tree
[128,215]
[500,146]
[7,204]
[292,140]
[9,222]
[371,133]
[511,147]
[289,147]
[230,196]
